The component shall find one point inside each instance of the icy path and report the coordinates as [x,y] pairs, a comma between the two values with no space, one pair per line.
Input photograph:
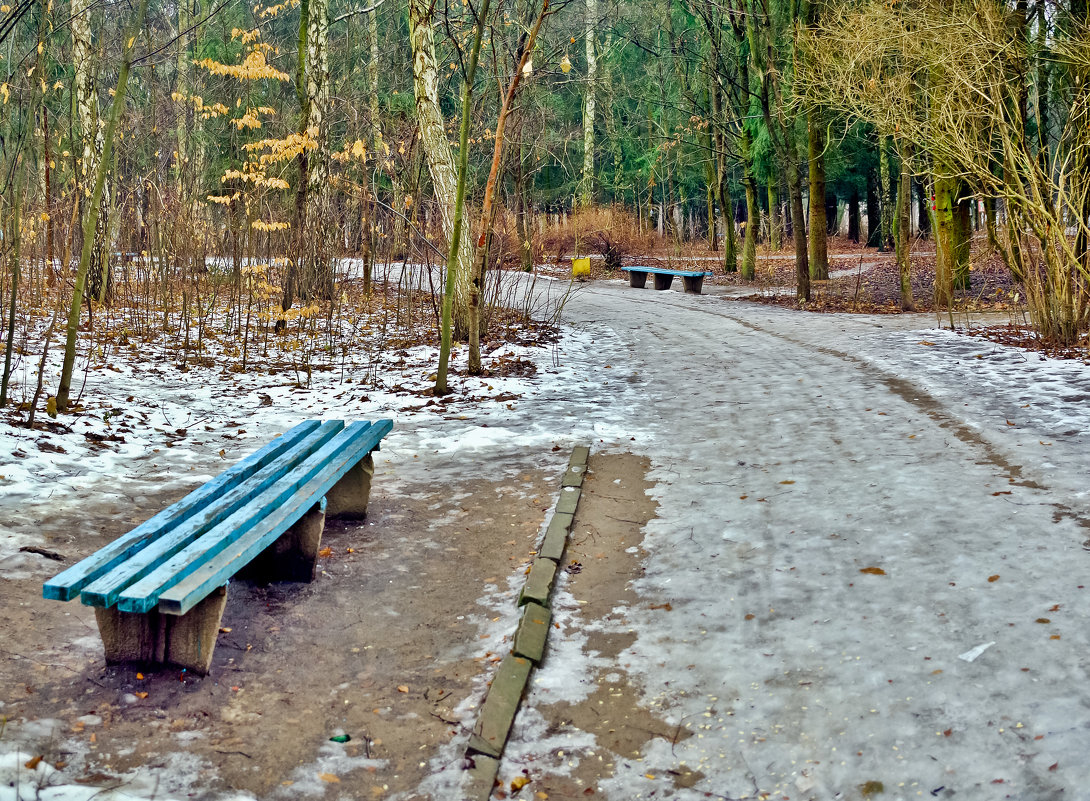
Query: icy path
[848,508]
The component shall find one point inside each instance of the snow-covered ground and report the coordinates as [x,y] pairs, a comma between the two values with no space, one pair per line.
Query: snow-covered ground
[849,509]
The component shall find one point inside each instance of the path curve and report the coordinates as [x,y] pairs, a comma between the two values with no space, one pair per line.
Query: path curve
[848,507]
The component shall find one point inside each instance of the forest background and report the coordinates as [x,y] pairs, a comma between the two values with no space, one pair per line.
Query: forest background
[215,171]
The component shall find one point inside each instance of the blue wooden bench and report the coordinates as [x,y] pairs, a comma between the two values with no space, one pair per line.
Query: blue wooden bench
[160,590]
[694,279]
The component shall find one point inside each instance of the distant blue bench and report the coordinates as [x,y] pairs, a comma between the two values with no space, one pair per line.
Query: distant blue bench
[160,590]
[694,279]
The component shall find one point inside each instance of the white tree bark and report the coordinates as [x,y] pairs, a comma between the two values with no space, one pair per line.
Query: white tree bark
[317,93]
[587,189]
[86,112]
[433,137]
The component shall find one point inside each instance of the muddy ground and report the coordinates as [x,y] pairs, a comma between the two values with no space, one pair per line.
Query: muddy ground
[383,646]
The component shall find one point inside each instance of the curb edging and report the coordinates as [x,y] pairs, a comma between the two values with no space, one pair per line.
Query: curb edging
[501,703]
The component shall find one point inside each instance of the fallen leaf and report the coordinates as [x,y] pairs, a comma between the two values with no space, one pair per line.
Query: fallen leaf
[402,688]
[225,630]
[1054,637]
[947,732]
[1042,620]
[33,763]
[787,482]
[874,571]
[543,795]
[649,775]
[518,783]
[925,342]
[1054,765]
[666,607]
[326,552]
[329,777]
[140,676]
[1011,424]
[992,579]
[141,695]
[750,616]
[1004,492]
[936,672]
[1054,608]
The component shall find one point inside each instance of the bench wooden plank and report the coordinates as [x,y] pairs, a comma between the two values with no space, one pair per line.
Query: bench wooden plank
[665,271]
[105,590]
[68,584]
[231,553]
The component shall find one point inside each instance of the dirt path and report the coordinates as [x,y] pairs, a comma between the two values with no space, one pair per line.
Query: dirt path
[381,647]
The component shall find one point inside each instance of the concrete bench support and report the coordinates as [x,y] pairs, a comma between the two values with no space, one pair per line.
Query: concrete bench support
[156,639]
[349,496]
[694,285]
[663,281]
[664,277]
[294,555]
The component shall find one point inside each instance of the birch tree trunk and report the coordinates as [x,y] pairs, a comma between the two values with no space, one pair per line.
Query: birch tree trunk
[586,190]
[433,138]
[85,112]
[396,240]
[91,221]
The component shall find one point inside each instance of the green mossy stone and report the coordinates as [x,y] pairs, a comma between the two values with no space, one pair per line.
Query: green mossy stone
[579,456]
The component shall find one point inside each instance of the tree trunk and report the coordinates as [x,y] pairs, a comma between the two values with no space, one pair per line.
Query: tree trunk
[901,232]
[433,138]
[586,189]
[753,209]
[798,223]
[874,214]
[484,228]
[923,210]
[775,218]
[819,224]
[884,179]
[85,113]
[963,235]
[832,214]
[853,216]
[455,244]
[944,241]
[91,221]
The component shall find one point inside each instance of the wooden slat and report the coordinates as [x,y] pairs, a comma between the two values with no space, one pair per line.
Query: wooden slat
[67,585]
[223,554]
[105,590]
[665,271]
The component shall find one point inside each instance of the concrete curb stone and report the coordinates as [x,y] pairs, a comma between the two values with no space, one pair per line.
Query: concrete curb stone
[532,632]
[500,705]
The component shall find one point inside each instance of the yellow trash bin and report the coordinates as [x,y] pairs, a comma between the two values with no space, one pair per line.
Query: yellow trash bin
[580,268]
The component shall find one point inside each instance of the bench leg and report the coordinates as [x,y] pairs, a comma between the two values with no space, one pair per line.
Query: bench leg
[349,496]
[663,281]
[637,279]
[294,554]
[185,641]
[694,284]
